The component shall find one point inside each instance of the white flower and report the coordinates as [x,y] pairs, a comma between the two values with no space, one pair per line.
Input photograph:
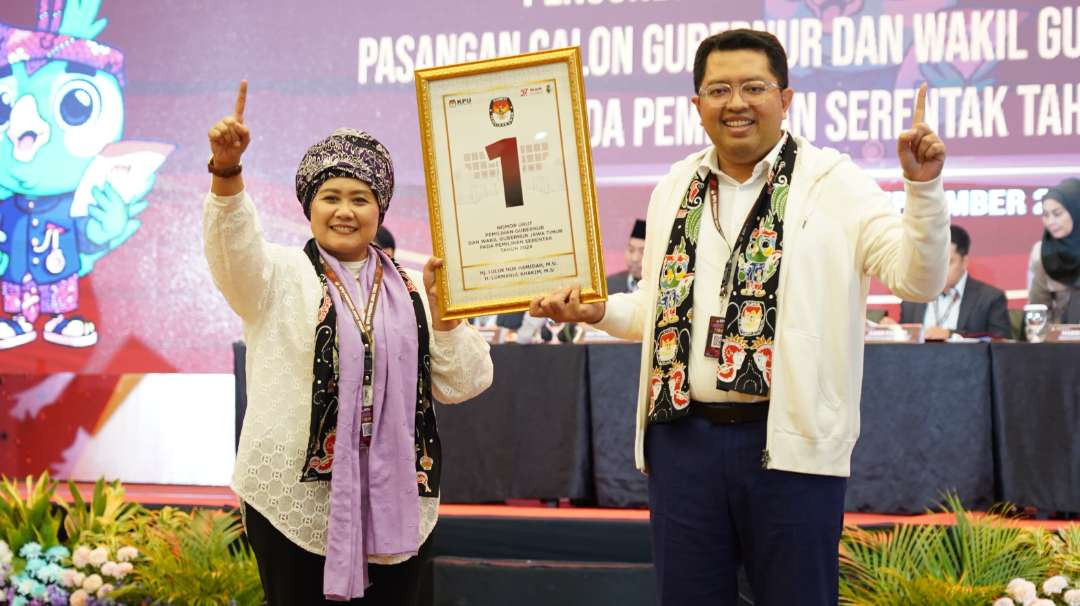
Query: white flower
[1043,602]
[25,586]
[108,569]
[79,578]
[1004,602]
[104,591]
[1017,582]
[78,598]
[1022,591]
[92,583]
[123,569]
[1055,585]
[99,556]
[1072,597]
[81,557]
[67,577]
[5,554]
[126,554]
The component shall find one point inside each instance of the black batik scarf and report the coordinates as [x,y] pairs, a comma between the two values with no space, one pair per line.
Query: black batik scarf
[324,391]
[750,316]
[669,387]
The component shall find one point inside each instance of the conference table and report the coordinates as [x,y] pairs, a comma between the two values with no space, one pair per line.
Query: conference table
[988,422]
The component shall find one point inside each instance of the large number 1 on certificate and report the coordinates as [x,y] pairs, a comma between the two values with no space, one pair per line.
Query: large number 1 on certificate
[509,185]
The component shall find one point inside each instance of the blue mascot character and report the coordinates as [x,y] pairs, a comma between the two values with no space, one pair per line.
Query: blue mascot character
[69,191]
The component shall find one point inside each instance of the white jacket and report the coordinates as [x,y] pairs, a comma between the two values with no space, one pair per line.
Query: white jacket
[840,229]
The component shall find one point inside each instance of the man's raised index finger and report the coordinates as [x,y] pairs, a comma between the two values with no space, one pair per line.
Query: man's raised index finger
[241,101]
[920,106]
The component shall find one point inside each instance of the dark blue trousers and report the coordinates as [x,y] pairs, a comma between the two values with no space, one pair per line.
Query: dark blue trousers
[713,506]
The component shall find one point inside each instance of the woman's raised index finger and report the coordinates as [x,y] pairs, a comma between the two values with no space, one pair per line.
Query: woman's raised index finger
[241,101]
[920,106]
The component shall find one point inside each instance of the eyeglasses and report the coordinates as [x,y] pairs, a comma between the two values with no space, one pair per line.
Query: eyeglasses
[753,91]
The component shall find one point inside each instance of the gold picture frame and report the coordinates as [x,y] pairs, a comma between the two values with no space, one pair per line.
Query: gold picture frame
[510,188]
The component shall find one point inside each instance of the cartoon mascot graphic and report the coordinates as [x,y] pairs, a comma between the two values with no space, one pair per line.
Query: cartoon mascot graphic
[70,191]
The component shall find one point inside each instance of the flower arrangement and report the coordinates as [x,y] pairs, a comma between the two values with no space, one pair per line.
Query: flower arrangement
[56,552]
[1055,592]
[44,580]
[38,581]
[95,574]
[200,557]
[193,557]
[965,564]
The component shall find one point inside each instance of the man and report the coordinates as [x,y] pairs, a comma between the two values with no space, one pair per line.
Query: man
[966,306]
[627,281]
[748,441]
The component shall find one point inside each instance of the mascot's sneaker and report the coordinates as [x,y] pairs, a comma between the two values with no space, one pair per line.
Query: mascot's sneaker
[15,332]
[71,332]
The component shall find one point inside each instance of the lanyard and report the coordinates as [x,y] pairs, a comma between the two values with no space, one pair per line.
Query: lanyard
[366,325]
[714,204]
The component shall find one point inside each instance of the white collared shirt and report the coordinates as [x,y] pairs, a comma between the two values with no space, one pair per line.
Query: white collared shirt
[736,200]
[944,311]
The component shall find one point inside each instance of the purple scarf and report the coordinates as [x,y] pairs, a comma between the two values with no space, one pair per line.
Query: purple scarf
[374,507]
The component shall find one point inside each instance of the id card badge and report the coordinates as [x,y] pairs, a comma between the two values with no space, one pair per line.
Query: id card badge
[715,341]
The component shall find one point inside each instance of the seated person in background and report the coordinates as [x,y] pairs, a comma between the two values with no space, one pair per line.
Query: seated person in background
[520,327]
[485,321]
[626,281]
[385,240]
[966,306]
[1055,260]
[523,328]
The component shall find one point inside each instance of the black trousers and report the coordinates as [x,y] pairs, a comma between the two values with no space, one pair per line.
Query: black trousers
[293,576]
[713,507]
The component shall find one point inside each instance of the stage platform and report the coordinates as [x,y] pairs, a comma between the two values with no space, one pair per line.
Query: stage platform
[159,495]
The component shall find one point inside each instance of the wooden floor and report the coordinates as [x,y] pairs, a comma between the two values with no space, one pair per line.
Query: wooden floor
[222,496]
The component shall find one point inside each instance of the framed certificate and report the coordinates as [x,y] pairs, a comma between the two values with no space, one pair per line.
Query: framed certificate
[510,189]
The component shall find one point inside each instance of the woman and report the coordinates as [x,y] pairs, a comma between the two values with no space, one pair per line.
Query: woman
[1055,260]
[338,344]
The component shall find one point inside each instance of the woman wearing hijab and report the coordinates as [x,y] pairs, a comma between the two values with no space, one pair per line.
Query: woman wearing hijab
[1055,260]
[341,342]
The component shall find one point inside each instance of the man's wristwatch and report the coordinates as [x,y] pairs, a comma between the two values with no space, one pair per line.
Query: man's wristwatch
[223,172]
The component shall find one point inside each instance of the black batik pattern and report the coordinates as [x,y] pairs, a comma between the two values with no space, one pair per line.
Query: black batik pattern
[746,353]
[669,382]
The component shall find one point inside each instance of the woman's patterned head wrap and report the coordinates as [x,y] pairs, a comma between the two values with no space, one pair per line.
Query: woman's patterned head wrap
[349,153]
